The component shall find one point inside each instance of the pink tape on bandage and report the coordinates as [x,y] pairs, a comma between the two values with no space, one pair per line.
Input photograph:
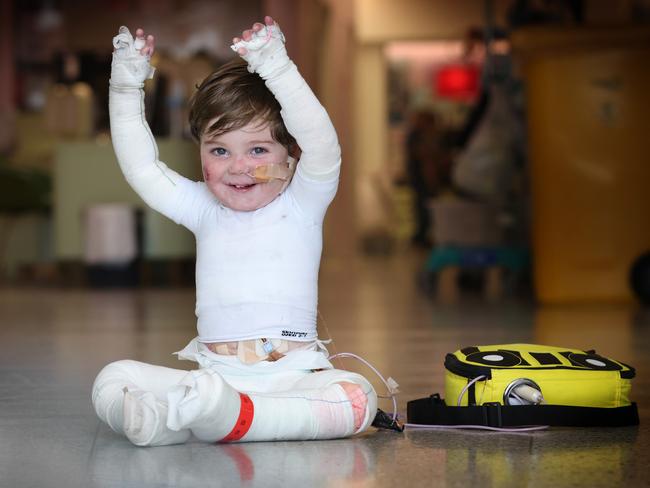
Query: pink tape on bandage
[359,402]
[244,421]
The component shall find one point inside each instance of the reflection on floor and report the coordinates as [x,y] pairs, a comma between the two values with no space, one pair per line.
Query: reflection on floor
[55,341]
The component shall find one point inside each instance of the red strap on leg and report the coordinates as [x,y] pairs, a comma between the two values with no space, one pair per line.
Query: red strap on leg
[244,421]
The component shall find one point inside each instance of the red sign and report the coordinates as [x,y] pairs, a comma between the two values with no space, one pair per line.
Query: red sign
[458,82]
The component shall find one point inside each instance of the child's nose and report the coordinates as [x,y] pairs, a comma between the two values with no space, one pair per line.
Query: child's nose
[240,165]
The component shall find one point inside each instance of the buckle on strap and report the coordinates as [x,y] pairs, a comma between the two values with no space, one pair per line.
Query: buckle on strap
[492,414]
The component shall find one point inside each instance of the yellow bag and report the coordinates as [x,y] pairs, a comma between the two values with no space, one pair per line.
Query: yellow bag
[527,384]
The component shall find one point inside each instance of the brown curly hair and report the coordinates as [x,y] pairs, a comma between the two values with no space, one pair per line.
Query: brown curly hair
[235,97]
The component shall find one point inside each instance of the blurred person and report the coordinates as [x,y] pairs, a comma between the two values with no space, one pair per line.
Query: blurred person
[257,219]
[491,144]
[426,163]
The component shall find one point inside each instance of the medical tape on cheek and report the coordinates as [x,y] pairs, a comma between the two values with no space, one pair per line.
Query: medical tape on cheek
[280,171]
[244,420]
[268,172]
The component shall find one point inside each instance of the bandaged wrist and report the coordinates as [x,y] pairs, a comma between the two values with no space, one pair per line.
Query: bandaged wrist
[129,68]
[266,54]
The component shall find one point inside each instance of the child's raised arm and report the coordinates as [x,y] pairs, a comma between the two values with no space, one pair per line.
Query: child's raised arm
[263,48]
[135,147]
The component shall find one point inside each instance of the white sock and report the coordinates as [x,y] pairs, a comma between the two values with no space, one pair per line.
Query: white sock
[145,421]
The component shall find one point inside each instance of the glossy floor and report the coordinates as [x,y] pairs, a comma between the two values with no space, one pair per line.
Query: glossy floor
[55,341]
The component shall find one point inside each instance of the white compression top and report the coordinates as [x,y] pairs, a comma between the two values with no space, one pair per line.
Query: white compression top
[256,272]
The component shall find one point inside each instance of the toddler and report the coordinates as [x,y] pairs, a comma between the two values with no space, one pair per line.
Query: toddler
[257,218]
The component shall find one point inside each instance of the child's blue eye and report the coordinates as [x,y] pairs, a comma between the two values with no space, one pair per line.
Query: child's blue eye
[259,150]
[219,151]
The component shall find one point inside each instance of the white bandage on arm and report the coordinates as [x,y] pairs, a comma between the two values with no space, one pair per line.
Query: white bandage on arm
[303,115]
[135,147]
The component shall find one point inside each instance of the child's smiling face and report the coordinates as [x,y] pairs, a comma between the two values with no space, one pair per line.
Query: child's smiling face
[229,160]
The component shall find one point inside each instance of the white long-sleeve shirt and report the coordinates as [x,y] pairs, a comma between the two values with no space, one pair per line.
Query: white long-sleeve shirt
[256,272]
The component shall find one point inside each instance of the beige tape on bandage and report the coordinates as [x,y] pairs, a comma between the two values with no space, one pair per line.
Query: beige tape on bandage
[280,171]
[268,172]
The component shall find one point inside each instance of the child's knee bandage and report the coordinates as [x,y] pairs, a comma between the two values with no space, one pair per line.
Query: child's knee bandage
[359,401]
[346,380]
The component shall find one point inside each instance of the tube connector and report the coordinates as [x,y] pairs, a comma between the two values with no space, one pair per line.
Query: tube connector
[523,391]
[529,394]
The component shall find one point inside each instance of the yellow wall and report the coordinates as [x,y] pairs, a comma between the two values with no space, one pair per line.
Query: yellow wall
[588,104]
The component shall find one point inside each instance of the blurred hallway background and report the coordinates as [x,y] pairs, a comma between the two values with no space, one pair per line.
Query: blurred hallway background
[493,190]
[482,133]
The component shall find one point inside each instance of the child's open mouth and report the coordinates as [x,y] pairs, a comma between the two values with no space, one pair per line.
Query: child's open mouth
[243,188]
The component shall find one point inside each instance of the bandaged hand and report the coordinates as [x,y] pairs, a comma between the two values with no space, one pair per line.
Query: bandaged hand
[262,47]
[130,66]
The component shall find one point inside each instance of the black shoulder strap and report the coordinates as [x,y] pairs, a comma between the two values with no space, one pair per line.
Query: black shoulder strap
[434,411]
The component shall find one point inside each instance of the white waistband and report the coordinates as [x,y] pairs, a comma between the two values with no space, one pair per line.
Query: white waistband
[246,321]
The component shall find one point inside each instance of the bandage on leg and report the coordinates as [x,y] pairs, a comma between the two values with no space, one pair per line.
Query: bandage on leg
[359,402]
[365,394]
[204,403]
[141,380]
[145,421]
[215,411]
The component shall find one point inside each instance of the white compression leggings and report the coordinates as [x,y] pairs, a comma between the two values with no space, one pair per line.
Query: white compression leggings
[155,405]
